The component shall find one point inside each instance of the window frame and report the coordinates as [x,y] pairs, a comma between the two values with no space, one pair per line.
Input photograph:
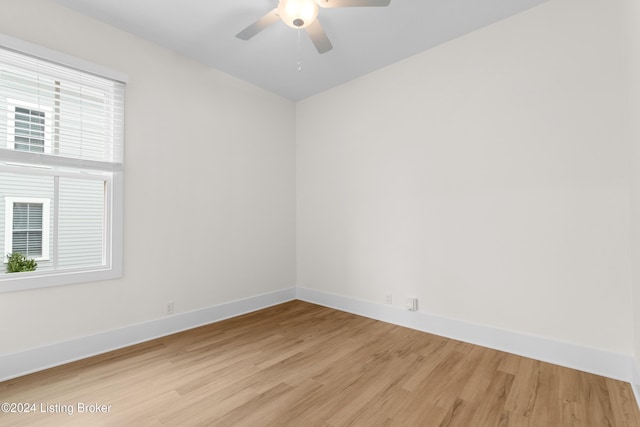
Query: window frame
[15,161]
[9,206]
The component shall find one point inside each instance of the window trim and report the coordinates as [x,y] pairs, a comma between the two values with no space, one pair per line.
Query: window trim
[60,58]
[43,162]
[113,251]
[9,205]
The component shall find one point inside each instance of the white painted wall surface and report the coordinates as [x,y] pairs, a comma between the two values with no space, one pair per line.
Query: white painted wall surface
[209,187]
[488,177]
[633,45]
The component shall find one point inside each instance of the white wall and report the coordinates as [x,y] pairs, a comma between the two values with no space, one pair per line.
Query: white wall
[488,177]
[633,27]
[209,187]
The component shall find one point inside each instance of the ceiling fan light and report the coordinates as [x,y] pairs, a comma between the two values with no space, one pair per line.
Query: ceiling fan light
[298,13]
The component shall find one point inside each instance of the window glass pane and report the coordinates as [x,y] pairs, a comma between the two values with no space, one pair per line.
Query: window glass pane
[28,142]
[27,229]
[29,130]
[81,219]
[27,216]
[28,243]
[35,216]
[28,145]
[81,225]
[20,216]
[88,119]
[34,244]
[19,242]
[27,233]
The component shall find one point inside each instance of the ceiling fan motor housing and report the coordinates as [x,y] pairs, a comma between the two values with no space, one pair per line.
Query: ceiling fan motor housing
[298,13]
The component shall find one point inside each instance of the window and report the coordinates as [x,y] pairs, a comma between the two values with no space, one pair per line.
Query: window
[28,127]
[27,225]
[28,130]
[61,162]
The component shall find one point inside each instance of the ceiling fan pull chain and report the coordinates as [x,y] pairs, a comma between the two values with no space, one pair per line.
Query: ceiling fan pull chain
[299,53]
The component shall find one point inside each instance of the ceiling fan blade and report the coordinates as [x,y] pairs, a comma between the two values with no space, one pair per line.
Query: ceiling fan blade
[353,3]
[319,37]
[262,23]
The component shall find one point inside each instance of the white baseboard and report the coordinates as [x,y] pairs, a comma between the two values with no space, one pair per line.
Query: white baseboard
[25,362]
[592,360]
[613,365]
[635,380]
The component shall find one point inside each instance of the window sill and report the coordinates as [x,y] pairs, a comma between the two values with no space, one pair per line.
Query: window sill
[13,282]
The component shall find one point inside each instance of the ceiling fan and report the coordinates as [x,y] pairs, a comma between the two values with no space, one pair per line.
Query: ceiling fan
[303,14]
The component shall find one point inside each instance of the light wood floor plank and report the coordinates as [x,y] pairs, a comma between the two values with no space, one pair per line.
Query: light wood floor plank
[299,364]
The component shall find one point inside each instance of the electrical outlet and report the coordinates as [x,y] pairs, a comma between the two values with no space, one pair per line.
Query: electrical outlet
[169,308]
[412,304]
[388,298]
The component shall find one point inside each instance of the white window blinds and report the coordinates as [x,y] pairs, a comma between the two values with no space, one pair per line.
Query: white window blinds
[81,113]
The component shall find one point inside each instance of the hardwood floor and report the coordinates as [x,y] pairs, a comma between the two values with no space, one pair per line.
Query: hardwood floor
[299,364]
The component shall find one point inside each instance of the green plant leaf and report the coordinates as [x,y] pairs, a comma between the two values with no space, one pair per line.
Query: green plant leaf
[16,263]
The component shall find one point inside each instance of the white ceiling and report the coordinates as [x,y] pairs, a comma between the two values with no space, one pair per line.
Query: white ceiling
[364,39]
